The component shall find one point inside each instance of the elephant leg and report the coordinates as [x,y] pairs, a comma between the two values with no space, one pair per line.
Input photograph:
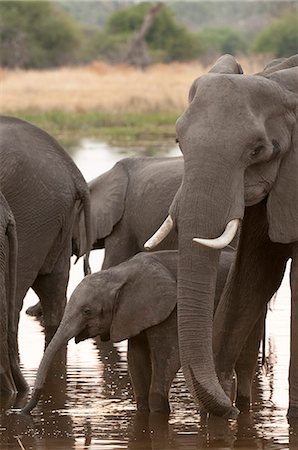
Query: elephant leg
[7,383]
[164,372]
[19,380]
[119,247]
[20,383]
[34,310]
[165,361]
[51,290]
[255,276]
[58,273]
[293,371]
[246,364]
[139,366]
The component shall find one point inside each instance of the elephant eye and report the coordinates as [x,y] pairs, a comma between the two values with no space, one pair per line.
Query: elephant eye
[177,141]
[256,151]
[87,311]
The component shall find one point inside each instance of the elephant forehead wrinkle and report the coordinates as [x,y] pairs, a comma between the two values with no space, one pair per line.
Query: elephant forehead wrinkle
[217,86]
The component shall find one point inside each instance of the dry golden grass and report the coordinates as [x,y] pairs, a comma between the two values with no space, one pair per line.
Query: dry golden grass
[102,86]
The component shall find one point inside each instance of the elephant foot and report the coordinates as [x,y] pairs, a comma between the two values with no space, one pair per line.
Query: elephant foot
[35,310]
[243,403]
[292,414]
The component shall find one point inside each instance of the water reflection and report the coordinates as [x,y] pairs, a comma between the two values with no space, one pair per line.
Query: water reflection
[88,403]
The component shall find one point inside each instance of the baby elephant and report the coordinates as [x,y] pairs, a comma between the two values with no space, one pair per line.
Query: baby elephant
[135,300]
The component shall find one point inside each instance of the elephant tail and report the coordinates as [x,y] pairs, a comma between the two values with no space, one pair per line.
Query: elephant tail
[13,259]
[88,230]
[19,380]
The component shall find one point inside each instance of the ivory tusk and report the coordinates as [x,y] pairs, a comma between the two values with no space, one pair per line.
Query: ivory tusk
[160,234]
[223,240]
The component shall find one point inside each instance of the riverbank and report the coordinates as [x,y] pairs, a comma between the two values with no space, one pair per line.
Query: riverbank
[127,129]
[113,102]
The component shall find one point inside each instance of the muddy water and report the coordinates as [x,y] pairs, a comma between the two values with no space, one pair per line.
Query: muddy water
[88,404]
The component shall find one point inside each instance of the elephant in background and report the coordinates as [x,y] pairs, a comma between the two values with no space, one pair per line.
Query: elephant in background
[44,190]
[135,300]
[128,203]
[239,141]
[9,367]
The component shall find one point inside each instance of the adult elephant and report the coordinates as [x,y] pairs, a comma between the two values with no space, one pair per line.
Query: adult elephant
[44,190]
[239,138]
[9,368]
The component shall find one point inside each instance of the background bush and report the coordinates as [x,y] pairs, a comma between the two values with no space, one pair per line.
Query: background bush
[166,39]
[280,38]
[37,34]
[223,40]
[42,34]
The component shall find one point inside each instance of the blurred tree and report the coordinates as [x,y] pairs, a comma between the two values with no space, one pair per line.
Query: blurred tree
[166,39]
[280,38]
[36,34]
[108,47]
[137,53]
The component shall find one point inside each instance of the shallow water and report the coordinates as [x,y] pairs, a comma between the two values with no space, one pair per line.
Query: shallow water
[89,404]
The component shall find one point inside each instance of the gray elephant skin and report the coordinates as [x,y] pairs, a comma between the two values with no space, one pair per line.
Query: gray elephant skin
[44,190]
[135,300]
[9,368]
[128,203]
[239,141]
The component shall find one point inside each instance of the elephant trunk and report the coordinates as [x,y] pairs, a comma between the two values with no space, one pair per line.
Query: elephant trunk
[66,331]
[197,274]
[195,317]
[88,229]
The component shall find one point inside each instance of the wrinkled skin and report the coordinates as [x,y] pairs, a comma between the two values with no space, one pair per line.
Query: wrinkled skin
[128,203]
[117,304]
[9,366]
[44,190]
[238,137]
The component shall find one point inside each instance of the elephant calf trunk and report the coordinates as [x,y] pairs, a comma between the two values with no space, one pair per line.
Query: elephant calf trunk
[32,402]
[62,336]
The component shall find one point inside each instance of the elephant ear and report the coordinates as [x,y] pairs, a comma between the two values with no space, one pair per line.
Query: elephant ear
[107,198]
[280,64]
[146,299]
[282,204]
[226,64]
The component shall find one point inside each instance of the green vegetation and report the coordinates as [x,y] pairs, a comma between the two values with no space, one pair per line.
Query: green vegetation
[280,38]
[37,34]
[222,40]
[116,128]
[167,40]
[42,34]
